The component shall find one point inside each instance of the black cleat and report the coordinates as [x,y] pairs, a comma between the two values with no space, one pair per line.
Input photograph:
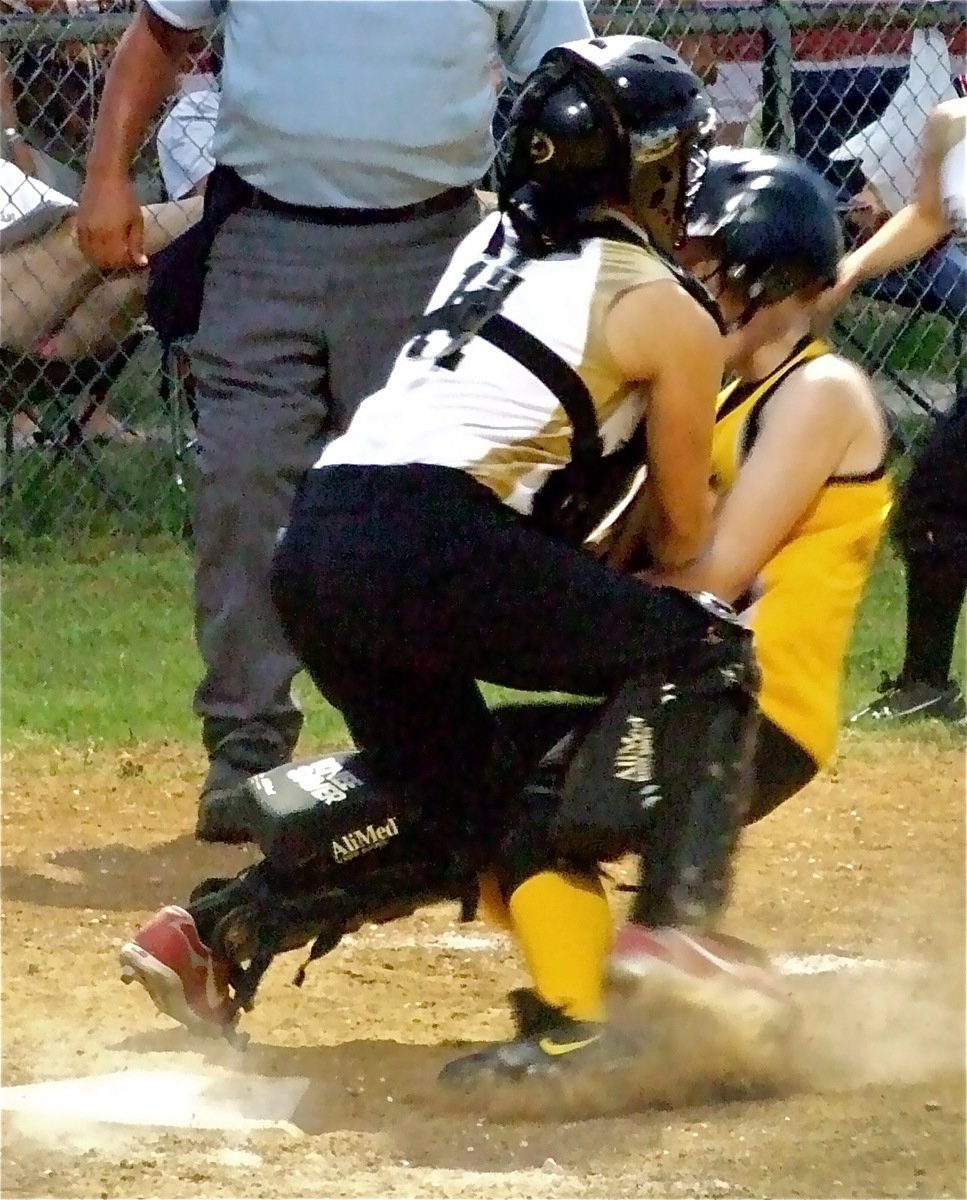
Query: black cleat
[224,815]
[547,1044]
[900,700]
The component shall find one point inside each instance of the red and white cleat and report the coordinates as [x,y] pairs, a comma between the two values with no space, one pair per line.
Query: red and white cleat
[640,954]
[179,972]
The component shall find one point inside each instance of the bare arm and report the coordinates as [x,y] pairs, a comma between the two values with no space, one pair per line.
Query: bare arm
[141,76]
[661,337]
[807,429]
[8,107]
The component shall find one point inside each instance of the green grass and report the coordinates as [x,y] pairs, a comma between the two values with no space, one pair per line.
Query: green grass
[893,340]
[57,499]
[877,649]
[98,648]
[132,490]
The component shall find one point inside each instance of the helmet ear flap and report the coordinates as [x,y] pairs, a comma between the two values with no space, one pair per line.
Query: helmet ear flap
[526,210]
[514,166]
[566,145]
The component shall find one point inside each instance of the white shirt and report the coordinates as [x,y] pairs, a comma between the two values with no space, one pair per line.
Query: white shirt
[953,186]
[368,103]
[28,208]
[489,415]
[888,149]
[185,151]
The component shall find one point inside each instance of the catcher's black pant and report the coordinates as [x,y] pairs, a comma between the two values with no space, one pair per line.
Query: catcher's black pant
[400,587]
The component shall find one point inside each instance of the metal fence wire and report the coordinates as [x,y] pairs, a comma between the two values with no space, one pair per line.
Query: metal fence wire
[97,429]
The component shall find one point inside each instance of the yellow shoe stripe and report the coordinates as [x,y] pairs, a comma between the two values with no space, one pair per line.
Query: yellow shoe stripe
[557,1048]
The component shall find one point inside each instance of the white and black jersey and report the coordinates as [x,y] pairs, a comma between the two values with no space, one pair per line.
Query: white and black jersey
[483,411]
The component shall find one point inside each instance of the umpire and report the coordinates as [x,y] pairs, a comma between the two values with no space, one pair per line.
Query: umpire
[348,142]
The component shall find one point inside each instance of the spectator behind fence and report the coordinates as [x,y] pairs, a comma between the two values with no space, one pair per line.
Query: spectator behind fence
[60,79]
[349,140]
[885,152]
[55,303]
[931,521]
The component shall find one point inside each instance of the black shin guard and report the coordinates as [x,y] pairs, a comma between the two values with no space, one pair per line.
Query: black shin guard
[687,852]
[664,772]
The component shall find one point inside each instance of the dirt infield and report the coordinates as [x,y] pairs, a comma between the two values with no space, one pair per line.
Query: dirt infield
[868,864]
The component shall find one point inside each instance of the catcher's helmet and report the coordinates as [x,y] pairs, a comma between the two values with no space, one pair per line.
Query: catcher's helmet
[774,222]
[618,119]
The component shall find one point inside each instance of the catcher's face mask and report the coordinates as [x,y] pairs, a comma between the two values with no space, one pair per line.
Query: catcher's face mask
[666,172]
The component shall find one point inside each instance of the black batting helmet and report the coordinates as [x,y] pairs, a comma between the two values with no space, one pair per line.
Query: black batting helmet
[774,222]
[618,119]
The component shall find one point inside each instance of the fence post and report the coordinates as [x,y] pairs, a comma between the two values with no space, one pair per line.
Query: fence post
[777,127]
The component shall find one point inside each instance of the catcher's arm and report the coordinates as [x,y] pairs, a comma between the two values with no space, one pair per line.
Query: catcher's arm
[680,364]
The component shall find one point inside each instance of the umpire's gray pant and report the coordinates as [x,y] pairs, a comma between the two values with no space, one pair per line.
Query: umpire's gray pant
[299,322]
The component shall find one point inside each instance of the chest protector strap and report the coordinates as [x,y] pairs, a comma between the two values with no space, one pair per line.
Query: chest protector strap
[558,376]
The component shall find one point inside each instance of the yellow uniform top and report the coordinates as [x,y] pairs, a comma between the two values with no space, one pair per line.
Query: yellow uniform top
[809,590]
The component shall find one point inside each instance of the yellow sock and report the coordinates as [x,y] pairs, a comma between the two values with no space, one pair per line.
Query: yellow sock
[563,925]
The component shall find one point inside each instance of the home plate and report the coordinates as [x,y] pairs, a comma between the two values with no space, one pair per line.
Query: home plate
[488,942]
[166,1098]
[829,964]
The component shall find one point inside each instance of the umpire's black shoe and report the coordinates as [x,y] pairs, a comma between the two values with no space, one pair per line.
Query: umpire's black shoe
[224,815]
[547,1044]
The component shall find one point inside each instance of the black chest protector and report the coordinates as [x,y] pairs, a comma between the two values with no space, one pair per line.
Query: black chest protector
[576,498]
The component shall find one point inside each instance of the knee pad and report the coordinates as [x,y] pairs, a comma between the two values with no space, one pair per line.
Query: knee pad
[330,809]
[664,772]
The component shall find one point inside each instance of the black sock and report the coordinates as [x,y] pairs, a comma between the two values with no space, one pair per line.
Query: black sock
[935,593]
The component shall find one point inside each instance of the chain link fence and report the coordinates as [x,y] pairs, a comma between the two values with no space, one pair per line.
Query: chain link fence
[97,428]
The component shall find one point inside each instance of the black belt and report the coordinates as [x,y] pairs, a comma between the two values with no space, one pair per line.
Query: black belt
[317,215]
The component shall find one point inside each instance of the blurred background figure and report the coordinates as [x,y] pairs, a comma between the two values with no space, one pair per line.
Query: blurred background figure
[931,521]
[56,304]
[886,154]
[56,307]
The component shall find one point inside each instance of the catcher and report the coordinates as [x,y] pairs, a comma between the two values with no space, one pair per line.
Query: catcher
[770,234]
[435,541]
